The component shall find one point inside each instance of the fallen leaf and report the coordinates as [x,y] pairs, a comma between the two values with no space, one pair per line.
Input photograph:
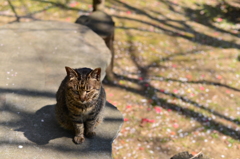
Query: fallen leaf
[175,125]
[161,90]
[128,106]
[189,76]
[122,141]
[121,82]
[219,77]
[146,85]
[129,12]
[145,120]
[150,101]
[73,4]
[68,19]
[173,133]
[227,91]
[219,19]
[158,109]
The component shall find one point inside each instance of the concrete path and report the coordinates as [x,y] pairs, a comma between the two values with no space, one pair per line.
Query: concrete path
[33,57]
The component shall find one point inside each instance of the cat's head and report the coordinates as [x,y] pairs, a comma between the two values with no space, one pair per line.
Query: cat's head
[83,84]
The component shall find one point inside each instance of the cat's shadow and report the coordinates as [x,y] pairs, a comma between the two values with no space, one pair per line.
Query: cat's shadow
[42,126]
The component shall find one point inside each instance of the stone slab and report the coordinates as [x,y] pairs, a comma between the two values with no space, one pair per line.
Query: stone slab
[33,57]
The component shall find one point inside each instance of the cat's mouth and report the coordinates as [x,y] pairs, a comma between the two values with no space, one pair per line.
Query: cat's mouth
[83,102]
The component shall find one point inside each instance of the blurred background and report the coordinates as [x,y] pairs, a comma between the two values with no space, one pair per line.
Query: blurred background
[177,71]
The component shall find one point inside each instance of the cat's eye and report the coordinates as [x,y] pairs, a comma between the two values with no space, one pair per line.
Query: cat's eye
[87,91]
[76,92]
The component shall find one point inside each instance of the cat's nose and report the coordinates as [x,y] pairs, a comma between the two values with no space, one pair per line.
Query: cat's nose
[82,98]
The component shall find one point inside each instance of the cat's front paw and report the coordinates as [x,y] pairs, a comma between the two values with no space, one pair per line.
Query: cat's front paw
[90,134]
[78,139]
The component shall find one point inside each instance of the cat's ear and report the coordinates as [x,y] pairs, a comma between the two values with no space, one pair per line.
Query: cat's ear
[71,73]
[96,74]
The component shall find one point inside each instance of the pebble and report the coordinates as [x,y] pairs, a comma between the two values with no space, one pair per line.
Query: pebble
[151,151]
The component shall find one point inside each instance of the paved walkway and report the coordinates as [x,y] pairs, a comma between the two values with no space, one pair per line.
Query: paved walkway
[33,57]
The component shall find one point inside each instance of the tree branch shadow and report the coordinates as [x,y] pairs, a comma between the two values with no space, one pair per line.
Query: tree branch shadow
[51,5]
[176,30]
[207,15]
[205,82]
[151,93]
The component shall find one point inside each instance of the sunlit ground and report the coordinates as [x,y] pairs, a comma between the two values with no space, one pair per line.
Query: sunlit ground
[179,87]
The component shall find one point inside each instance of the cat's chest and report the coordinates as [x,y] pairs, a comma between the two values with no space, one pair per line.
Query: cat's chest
[85,112]
[80,112]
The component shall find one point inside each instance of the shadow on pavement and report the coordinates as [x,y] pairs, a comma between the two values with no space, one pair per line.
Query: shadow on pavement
[42,127]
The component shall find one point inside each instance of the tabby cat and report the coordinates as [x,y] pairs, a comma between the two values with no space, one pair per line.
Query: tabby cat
[80,102]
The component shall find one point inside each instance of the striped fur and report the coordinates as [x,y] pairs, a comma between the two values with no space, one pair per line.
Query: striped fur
[80,102]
